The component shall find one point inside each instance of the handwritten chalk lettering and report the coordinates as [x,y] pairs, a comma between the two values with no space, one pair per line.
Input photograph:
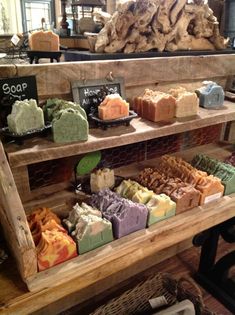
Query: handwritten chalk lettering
[13,89]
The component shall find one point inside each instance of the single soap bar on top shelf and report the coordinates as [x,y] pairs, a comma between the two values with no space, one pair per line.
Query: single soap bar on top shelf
[69,125]
[187,103]
[87,227]
[25,116]
[155,106]
[126,216]
[211,95]
[102,178]
[160,207]
[44,41]
[113,107]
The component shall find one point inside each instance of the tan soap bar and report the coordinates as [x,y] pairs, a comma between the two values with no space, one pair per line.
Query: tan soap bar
[187,103]
[44,41]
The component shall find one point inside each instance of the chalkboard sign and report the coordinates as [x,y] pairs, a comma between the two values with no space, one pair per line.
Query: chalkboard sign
[13,89]
[89,94]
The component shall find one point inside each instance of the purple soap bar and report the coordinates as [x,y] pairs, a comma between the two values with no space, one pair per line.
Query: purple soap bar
[126,216]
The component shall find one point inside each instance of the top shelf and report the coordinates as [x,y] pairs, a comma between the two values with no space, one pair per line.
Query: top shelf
[43,149]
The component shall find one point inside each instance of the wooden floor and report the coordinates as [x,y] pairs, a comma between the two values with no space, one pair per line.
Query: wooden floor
[184,264]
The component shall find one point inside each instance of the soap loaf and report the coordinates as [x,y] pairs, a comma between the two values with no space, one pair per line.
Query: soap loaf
[160,207]
[87,228]
[187,103]
[211,95]
[44,41]
[155,106]
[125,215]
[53,245]
[225,172]
[113,107]
[25,116]
[210,187]
[102,178]
[184,195]
[54,105]
[69,125]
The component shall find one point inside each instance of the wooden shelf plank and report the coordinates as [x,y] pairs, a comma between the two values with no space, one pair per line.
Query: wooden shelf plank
[37,150]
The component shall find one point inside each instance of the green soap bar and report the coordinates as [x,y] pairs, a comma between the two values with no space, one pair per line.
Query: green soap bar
[25,116]
[160,208]
[68,126]
[92,232]
[53,106]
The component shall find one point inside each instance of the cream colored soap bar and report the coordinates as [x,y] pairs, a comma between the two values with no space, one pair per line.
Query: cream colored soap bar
[187,103]
[102,179]
[25,116]
[44,41]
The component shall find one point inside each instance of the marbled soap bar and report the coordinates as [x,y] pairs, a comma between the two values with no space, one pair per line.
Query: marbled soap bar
[69,125]
[225,172]
[76,213]
[101,179]
[126,216]
[54,248]
[159,207]
[113,107]
[187,103]
[91,232]
[25,116]
[211,95]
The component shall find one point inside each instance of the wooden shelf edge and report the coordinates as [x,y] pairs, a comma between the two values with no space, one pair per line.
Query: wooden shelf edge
[38,150]
[128,250]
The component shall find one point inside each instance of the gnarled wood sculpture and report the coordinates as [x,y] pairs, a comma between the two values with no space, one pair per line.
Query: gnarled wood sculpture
[142,25]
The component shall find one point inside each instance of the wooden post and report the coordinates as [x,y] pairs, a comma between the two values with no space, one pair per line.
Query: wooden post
[14,221]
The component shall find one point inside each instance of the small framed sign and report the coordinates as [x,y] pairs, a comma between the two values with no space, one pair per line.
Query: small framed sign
[13,89]
[90,93]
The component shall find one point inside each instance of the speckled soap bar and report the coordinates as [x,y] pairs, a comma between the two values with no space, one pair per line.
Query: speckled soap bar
[69,125]
[211,95]
[25,116]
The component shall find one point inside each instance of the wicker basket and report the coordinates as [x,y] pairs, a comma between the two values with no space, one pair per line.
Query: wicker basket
[136,301]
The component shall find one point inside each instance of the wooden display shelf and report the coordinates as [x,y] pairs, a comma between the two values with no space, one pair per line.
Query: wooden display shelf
[38,149]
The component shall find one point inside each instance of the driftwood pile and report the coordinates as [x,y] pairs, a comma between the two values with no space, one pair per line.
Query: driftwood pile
[143,25]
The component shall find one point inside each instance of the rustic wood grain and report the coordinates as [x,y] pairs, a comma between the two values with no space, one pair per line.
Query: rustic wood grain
[14,221]
[38,150]
[56,78]
[21,178]
[7,71]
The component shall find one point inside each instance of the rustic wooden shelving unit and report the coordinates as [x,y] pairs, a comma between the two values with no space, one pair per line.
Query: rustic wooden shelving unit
[126,256]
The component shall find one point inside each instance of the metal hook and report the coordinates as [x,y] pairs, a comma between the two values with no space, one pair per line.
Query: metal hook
[110,77]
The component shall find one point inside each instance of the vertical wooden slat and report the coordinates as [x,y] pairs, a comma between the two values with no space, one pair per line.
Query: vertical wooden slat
[14,221]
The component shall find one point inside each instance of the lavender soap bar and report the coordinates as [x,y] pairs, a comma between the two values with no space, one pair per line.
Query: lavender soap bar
[126,216]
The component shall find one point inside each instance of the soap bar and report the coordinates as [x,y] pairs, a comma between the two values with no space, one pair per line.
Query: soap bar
[102,179]
[54,248]
[92,232]
[125,215]
[187,103]
[69,125]
[113,107]
[160,207]
[76,213]
[54,105]
[211,95]
[25,116]
[44,41]
[155,106]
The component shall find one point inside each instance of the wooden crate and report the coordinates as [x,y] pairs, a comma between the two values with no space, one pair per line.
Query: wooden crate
[135,249]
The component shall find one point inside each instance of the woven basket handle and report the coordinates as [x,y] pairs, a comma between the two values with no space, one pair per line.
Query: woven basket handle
[192,285]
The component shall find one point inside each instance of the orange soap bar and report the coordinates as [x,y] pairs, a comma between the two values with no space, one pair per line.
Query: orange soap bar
[113,107]
[54,248]
[44,41]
